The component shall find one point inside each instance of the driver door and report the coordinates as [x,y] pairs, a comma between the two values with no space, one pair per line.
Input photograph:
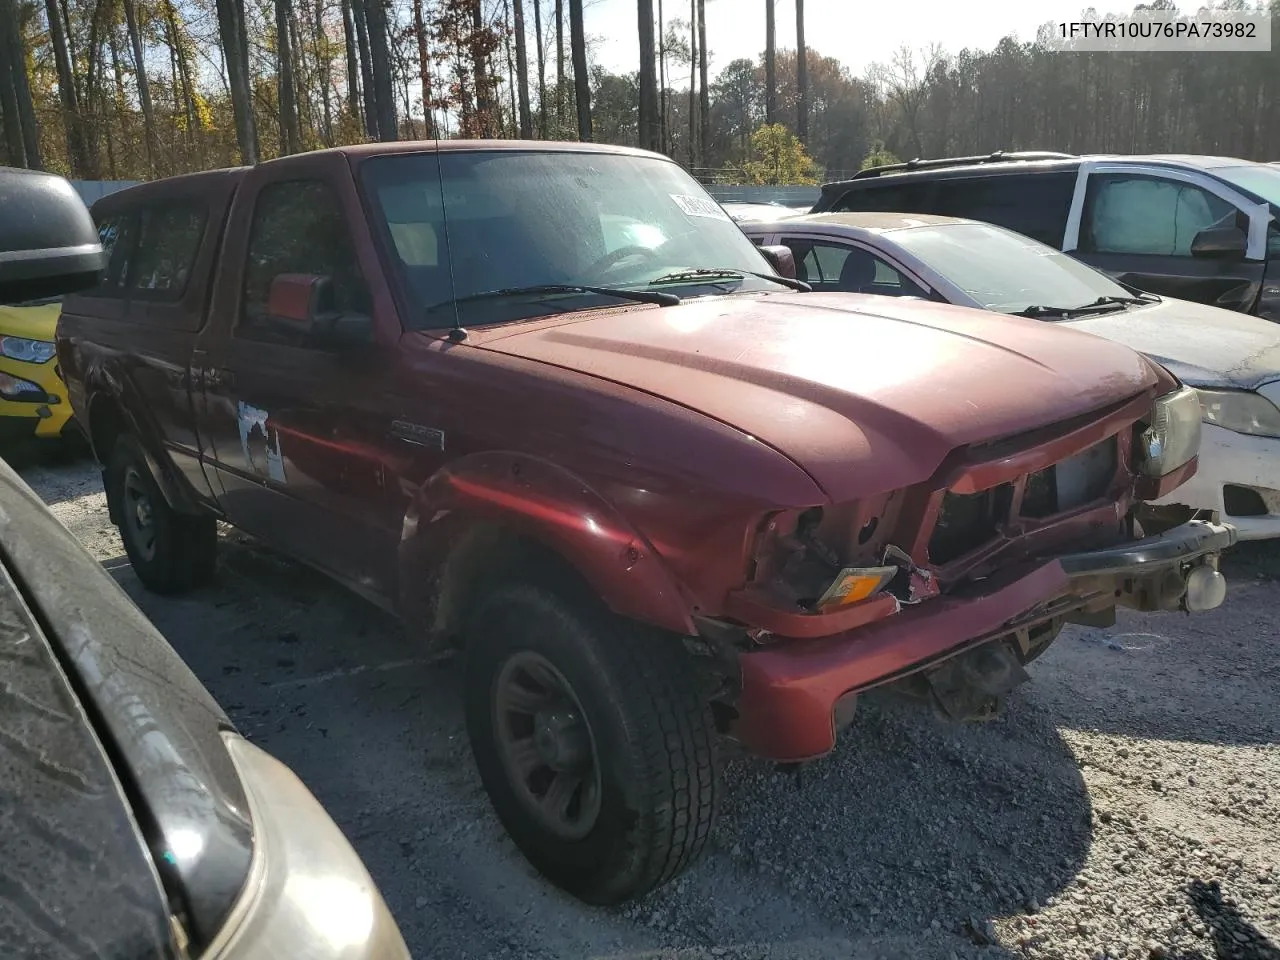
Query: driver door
[298,422]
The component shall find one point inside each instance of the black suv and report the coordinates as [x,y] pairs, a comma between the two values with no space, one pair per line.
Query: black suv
[1197,228]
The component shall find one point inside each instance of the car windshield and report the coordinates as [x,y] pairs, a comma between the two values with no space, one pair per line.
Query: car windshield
[463,224]
[1260,180]
[1005,271]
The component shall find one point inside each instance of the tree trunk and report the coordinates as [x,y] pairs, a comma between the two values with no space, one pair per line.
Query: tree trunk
[67,97]
[664,135]
[183,77]
[290,135]
[542,70]
[704,137]
[802,77]
[770,65]
[581,82]
[144,87]
[522,72]
[235,48]
[23,115]
[353,66]
[650,132]
[325,69]
[15,143]
[366,67]
[424,69]
[559,66]
[693,84]
[485,108]
[380,57]
[512,83]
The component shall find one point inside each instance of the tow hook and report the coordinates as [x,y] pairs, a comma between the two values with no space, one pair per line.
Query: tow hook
[1206,588]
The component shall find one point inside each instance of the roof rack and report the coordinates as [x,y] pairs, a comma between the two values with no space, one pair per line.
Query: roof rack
[1000,156]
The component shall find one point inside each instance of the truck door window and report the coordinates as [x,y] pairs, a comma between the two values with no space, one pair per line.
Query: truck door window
[116,233]
[167,244]
[298,227]
[1127,213]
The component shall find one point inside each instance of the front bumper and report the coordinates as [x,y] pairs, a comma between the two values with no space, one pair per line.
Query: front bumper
[789,692]
[42,418]
[1238,479]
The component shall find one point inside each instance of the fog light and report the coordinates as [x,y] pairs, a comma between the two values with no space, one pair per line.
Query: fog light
[1206,589]
[15,388]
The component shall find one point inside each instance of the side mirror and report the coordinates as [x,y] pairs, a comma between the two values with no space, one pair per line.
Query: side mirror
[782,260]
[1222,242]
[304,302]
[48,244]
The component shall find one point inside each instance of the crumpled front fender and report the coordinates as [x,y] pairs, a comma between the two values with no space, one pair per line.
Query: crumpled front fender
[534,498]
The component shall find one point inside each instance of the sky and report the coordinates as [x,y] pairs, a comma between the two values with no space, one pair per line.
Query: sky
[857,32]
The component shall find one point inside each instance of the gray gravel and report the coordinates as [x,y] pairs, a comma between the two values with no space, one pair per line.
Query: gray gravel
[1126,805]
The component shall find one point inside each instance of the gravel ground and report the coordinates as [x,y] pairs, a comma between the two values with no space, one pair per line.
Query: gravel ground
[1126,805]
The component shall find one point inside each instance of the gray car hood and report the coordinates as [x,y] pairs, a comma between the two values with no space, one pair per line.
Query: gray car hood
[1201,345]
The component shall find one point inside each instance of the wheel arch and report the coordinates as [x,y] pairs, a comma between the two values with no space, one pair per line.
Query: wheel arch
[495,516]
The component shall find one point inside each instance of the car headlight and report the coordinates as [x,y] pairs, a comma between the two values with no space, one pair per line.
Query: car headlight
[28,351]
[308,894]
[15,388]
[1171,435]
[1240,410]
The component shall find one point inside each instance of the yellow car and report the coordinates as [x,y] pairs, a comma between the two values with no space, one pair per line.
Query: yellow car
[33,399]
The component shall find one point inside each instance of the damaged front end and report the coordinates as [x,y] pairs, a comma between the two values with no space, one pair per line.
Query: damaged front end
[948,589]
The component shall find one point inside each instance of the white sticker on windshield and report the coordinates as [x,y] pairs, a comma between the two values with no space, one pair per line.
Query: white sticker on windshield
[699,207]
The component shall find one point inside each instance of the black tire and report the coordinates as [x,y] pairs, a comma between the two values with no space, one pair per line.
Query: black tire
[651,735]
[173,552]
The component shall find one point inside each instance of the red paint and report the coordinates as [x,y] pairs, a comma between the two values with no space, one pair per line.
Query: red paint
[645,446]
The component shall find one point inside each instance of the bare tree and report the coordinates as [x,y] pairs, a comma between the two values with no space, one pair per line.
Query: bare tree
[704,138]
[802,76]
[770,65]
[290,134]
[693,84]
[353,67]
[650,132]
[367,85]
[664,134]
[559,65]
[581,81]
[380,60]
[522,71]
[542,70]
[424,70]
[144,87]
[67,94]
[235,48]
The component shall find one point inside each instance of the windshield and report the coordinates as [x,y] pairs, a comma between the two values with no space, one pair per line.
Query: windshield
[1259,180]
[466,223]
[1005,271]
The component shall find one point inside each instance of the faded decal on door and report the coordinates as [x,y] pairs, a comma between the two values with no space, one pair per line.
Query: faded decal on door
[260,442]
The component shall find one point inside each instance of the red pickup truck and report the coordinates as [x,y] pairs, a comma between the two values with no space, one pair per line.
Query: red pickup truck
[549,404]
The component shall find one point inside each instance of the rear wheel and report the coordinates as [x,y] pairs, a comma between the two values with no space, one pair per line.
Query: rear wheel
[171,552]
[591,736]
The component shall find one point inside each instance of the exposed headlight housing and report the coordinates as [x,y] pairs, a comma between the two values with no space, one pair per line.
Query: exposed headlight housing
[1171,437]
[28,351]
[1242,411]
[308,894]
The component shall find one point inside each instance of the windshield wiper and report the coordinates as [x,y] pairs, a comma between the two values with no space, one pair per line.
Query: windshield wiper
[727,273]
[1101,305]
[638,296]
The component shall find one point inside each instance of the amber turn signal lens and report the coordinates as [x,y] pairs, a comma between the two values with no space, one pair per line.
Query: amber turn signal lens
[854,584]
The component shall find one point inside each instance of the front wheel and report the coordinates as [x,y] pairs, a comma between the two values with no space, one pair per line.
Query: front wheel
[171,552]
[596,747]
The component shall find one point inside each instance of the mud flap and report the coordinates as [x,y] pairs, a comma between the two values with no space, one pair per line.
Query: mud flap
[973,685]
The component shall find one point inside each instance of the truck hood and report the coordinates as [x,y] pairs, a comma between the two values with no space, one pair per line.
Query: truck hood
[865,393]
[1201,345]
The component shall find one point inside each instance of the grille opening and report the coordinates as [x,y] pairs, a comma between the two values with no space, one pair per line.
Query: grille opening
[1243,501]
[1072,483]
[967,521]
